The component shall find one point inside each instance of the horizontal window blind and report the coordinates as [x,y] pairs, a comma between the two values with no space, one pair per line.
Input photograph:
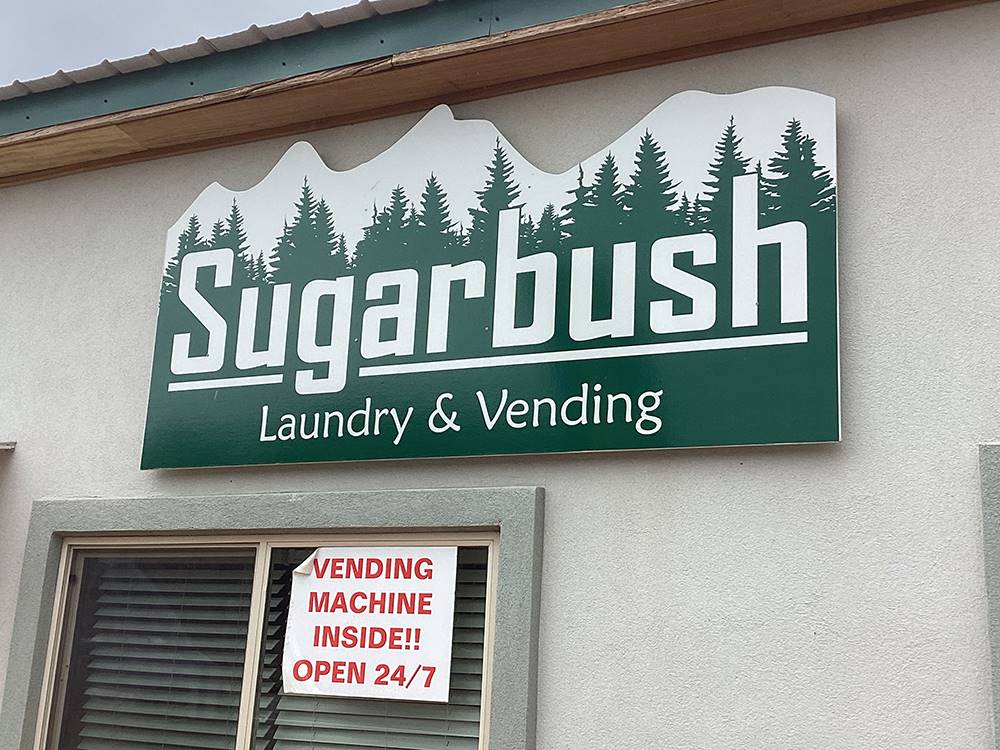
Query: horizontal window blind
[158,654]
[293,722]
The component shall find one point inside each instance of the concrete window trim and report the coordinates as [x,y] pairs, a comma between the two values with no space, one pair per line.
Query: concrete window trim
[989,474]
[517,512]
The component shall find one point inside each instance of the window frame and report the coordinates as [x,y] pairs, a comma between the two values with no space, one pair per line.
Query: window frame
[989,478]
[261,546]
[76,551]
[507,521]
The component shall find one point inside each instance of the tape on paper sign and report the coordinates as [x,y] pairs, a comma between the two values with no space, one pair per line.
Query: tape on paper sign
[372,622]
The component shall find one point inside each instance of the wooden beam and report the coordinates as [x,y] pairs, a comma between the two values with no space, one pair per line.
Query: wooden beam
[625,38]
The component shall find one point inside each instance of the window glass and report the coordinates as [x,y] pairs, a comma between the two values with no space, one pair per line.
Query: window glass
[294,722]
[157,653]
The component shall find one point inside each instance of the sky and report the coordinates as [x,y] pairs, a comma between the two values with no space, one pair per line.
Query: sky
[39,37]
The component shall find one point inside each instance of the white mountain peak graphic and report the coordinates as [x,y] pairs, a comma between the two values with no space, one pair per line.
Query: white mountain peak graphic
[457,152]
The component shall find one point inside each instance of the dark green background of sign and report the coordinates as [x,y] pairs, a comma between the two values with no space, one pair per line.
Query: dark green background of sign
[774,394]
[742,397]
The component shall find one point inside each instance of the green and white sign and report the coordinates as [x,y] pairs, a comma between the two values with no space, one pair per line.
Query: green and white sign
[449,298]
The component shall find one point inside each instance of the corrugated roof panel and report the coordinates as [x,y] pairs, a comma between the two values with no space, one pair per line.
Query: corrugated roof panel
[349,14]
[13,90]
[385,7]
[246,38]
[139,62]
[199,48]
[102,70]
[208,46]
[292,27]
[57,80]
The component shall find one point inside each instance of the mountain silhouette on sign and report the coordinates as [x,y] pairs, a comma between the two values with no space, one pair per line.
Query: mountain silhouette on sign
[435,198]
[376,201]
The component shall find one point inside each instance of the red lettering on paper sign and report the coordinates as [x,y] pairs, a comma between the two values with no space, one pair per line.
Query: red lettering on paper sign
[372,622]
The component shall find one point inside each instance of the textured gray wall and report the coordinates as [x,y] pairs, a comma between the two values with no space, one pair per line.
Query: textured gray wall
[796,598]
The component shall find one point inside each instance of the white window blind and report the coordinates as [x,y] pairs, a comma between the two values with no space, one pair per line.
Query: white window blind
[158,652]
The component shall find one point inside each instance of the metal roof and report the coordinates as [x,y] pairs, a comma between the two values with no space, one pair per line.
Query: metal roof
[203,47]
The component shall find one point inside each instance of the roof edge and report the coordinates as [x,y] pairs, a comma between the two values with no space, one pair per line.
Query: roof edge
[367,30]
[599,43]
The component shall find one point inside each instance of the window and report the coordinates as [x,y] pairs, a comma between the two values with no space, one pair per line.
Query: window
[70,539]
[178,644]
[157,652]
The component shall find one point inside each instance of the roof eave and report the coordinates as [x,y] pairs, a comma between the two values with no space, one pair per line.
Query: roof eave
[597,43]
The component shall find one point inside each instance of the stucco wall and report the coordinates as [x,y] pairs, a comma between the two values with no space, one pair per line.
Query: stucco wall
[797,597]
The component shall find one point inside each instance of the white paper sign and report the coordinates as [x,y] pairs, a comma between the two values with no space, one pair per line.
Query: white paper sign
[372,622]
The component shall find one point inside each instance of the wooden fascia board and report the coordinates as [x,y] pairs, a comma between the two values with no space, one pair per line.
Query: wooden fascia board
[619,39]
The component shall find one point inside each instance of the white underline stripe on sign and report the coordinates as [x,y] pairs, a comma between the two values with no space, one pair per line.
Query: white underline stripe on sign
[205,385]
[610,352]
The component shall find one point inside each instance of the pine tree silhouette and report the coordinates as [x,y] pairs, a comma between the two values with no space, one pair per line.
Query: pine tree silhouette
[188,241]
[397,213]
[461,236]
[786,165]
[499,193]
[606,217]
[171,275]
[822,180]
[593,218]
[684,209]
[702,217]
[607,197]
[527,234]
[729,162]
[574,216]
[234,237]
[281,255]
[366,250]
[800,187]
[714,213]
[235,233]
[218,235]
[346,257]
[597,211]
[302,234]
[699,217]
[652,212]
[764,195]
[652,194]
[326,236]
[307,248]
[389,235]
[550,230]
[261,273]
[411,227]
[432,226]
[433,216]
